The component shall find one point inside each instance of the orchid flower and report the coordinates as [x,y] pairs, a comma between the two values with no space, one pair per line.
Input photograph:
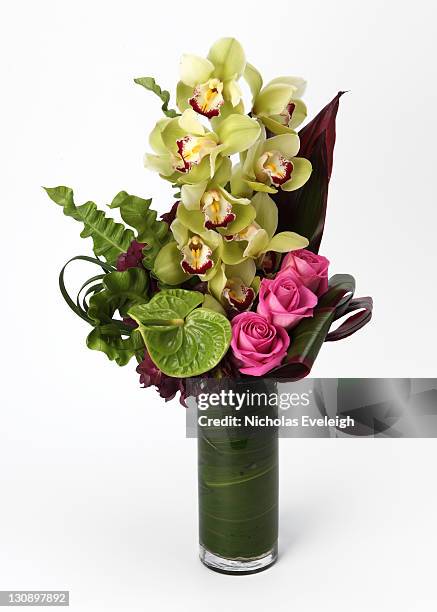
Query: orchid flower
[279,106]
[210,85]
[258,237]
[271,163]
[185,152]
[235,287]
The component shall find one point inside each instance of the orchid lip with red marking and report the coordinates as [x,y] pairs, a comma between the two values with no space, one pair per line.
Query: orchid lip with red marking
[217,210]
[207,98]
[197,257]
[238,295]
[191,151]
[274,166]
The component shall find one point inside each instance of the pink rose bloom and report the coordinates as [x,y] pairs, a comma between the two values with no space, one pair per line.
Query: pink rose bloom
[259,345]
[312,269]
[285,300]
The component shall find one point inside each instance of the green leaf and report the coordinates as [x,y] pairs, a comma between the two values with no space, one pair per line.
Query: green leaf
[110,239]
[150,84]
[309,335]
[116,348]
[181,339]
[121,291]
[136,212]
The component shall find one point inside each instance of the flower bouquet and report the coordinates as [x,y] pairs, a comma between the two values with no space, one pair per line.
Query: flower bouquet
[227,286]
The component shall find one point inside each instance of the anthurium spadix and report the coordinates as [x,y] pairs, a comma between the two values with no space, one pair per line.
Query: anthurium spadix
[209,84]
[278,104]
[185,152]
[271,164]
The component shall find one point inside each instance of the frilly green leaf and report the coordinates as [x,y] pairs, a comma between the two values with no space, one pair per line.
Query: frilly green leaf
[110,239]
[150,84]
[136,212]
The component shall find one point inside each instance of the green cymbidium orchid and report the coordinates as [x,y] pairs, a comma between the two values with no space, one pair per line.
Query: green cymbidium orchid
[199,251]
[185,152]
[271,163]
[258,237]
[210,86]
[235,287]
[278,104]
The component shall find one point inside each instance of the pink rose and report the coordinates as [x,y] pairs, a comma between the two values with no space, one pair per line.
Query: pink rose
[259,345]
[285,300]
[312,269]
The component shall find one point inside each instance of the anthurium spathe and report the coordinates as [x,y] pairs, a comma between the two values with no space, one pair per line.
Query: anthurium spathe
[271,164]
[185,152]
[209,84]
[279,106]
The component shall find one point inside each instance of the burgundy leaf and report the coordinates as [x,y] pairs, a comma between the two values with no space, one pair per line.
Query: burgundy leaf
[304,210]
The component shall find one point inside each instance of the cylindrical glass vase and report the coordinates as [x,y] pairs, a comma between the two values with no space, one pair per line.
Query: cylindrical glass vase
[238,478]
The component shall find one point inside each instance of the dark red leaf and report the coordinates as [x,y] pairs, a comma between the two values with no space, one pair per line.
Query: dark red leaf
[304,210]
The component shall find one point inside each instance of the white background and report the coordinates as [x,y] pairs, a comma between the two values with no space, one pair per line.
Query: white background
[97,482]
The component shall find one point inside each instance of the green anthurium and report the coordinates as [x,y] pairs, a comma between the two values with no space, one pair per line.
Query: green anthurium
[182,339]
[278,104]
[208,85]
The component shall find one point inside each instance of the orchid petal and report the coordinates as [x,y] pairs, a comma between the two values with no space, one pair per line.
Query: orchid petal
[245,215]
[266,212]
[218,282]
[167,265]
[192,219]
[183,94]
[298,83]
[223,172]
[302,169]
[238,185]
[232,252]
[287,241]
[191,194]
[155,138]
[190,124]
[180,232]
[238,133]
[245,270]
[228,58]
[159,163]
[253,79]
[233,199]
[256,186]
[195,69]
[257,244]
[211,303]
[287,144]
[273,99]
[232,92]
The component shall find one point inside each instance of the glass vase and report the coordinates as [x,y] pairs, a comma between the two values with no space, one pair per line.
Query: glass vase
[238,478]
